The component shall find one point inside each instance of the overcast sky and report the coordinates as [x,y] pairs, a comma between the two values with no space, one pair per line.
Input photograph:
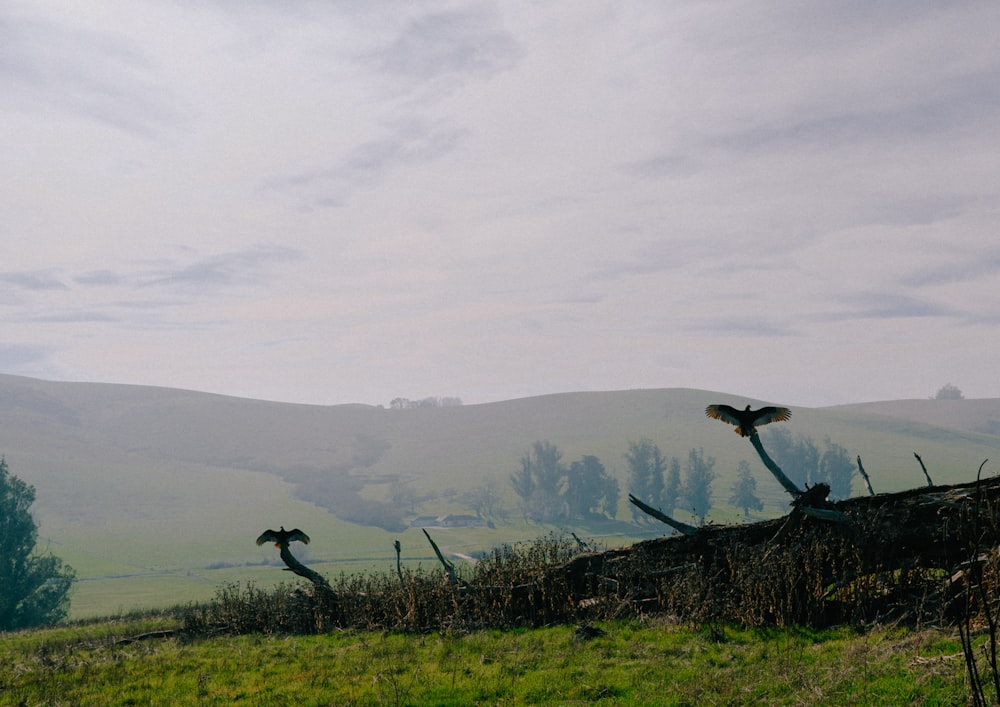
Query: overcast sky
[330,202]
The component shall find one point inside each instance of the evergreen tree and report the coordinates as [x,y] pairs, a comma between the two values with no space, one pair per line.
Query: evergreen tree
[672,487]
[549,490]
[547,503]
[645,474]
[523,483]
[697,489]
[34,589]
[837,469]
[590,489]
[745,490]
[539,483]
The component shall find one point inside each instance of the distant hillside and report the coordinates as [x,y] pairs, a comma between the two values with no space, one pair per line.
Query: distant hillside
[977,415]
[136,481]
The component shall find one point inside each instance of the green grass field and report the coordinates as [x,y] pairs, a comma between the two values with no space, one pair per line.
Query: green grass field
[106,588]
[636,662]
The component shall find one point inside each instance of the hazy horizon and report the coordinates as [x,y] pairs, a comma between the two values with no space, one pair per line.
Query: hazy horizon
[334,203]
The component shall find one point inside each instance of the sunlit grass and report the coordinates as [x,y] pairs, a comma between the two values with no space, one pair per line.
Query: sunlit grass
[635,662]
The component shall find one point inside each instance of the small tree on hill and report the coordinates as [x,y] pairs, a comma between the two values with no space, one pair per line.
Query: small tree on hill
[34,589]
[949,392]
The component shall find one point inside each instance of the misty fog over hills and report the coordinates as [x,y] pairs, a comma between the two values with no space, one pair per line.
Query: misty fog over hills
[138,480]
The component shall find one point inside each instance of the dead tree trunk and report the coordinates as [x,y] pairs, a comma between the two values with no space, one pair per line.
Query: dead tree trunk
[888,547]
[449,567]
[293,565]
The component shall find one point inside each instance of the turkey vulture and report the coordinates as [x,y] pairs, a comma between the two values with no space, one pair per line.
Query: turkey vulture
[282,537]
[747,420]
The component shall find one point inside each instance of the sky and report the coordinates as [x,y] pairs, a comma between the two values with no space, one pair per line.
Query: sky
[333,202]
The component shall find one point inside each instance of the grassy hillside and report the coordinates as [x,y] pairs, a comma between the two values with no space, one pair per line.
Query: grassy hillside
[978,415]
[649,663]
[155,495]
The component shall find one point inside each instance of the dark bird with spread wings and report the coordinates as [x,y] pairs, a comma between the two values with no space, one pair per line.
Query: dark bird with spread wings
[282,537]
[748,420]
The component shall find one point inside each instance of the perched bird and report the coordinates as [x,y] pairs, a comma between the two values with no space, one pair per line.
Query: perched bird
[747,420]
[282,537]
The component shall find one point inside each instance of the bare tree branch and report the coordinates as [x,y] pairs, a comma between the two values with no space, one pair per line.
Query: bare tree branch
[928,476]
[661,516]
[864,475]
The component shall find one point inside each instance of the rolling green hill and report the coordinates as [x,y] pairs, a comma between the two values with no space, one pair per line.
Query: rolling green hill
[155,495]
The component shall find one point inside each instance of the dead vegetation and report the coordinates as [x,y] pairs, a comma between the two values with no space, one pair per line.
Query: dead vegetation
[908,557]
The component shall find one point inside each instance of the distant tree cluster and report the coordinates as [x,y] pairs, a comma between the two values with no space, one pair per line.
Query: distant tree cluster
[485,500]
[949,392]
[549,490]
[806,464]
[430,402]
[657,481]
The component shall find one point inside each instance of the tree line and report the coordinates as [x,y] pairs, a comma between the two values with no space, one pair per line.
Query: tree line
[657,480]
[549,490]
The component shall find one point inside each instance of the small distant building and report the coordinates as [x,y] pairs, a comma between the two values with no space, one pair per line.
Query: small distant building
[424,522]
[449,520]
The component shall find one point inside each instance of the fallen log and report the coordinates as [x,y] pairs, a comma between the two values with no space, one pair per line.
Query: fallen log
[884,548]
[663,517]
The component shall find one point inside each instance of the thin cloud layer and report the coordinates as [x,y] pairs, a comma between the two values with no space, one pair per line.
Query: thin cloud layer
[339,202]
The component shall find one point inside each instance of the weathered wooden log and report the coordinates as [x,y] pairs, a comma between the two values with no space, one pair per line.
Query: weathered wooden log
[924,469]
[449,567]
[864,475]
[399,562]
[918,529]
[662,517]
[785,482]
[293,565]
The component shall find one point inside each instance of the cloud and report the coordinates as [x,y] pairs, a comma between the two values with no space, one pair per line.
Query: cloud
[889,305]
[76,318]
[242,267]
[918,118]
[660,166]
[99,278]
[369,164]
[99,76]
[740,327]
[461,42]
[33,280]
[956,268]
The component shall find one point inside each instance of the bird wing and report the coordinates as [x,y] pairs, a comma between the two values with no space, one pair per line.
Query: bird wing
[724,413]
[268,536]
[296,534]
[771,414]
